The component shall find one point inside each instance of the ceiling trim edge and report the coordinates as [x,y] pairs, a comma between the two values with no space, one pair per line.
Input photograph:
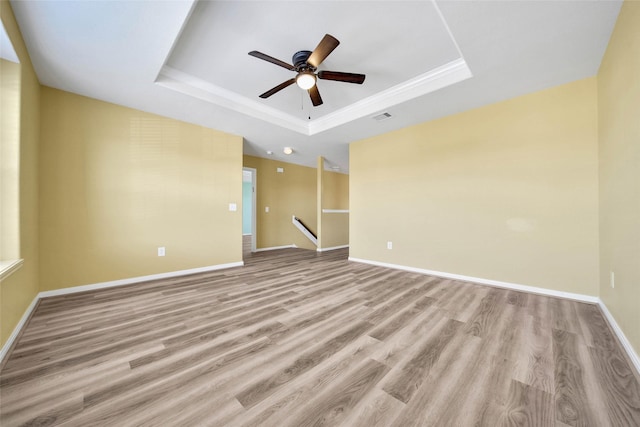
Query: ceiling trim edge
[438,78]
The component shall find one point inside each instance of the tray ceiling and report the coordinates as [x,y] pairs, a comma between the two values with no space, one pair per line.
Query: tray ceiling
[423,60]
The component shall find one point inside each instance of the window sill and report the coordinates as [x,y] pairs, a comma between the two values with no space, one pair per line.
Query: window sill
[7,268]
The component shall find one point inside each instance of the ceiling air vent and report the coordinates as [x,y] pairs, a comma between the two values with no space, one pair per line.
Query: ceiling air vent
[381,117]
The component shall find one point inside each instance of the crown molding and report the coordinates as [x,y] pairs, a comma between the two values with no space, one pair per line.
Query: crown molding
[195,87]
[438,78]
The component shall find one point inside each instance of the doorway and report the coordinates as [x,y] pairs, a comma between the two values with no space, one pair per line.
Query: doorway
[249,235]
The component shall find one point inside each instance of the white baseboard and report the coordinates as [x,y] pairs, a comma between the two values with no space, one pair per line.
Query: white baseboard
[274,248]
[332,248]
[16,331]
[542,291]
[138,279]
[45,294]
[621,336]
[626,344]
[489,282]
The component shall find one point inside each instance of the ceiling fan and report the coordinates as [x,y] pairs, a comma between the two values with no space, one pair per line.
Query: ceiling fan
[306,63]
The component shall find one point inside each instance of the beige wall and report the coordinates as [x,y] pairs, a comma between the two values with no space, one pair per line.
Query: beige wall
[333,193]
[18,290]
[506,192]
[619,137]
[286,194]
[117,183]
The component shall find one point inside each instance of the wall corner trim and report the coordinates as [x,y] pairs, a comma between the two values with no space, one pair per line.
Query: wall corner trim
[626,344]
[75,289]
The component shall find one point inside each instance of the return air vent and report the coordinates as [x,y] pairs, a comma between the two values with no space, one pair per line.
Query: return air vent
[381,117]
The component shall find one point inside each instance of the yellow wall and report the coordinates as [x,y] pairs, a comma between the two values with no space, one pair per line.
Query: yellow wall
[619,137]
[286,194]
[506,192]
[333,190]
[117,183]
[18,290]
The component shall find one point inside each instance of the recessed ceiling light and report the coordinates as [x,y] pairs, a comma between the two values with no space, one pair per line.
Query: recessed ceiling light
[288,150]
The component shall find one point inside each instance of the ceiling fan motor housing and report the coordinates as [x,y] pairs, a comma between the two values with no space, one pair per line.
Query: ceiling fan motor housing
[300,60]
[305,64]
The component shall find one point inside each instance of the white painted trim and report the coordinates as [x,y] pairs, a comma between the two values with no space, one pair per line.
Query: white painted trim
[254,206]
[296,222]
[578,297]
[190,85]
[247,234]
[335,210]
[522,288]
[445,75]
[332,248]
[64,291]
[7,268]
[275,248]
[635,359]
[16,331]
[139,279]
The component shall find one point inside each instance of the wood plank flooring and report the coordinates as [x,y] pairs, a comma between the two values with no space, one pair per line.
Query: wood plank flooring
[296,338]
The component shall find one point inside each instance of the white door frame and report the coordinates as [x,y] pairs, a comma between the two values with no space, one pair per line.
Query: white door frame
[254,174]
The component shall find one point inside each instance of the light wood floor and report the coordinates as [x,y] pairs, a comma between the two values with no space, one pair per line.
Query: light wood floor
[297,338]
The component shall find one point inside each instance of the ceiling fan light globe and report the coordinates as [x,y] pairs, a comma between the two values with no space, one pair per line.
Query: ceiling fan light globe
[306,80]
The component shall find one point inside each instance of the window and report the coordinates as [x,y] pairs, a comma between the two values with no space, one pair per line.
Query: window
[9,157]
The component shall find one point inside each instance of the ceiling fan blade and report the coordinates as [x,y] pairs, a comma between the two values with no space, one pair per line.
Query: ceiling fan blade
[316,99]
[271,59]
[341,77]
[278,88]
[324,48]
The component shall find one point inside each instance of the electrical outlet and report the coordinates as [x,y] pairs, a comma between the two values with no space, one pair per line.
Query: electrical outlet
[389,245]
[161,251]
[612,279]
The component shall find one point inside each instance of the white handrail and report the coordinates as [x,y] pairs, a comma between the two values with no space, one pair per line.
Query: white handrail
[304,230]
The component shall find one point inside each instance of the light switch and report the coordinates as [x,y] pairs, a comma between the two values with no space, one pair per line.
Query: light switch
[266,208]
[233,207]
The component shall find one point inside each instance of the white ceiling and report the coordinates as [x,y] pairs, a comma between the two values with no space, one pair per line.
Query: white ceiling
[423,60]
